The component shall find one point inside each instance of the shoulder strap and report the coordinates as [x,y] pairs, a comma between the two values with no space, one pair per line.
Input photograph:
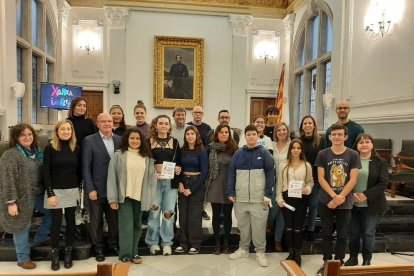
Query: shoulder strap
[175,146]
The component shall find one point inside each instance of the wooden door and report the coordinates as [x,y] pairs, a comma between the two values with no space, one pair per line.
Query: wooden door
[258,106]
[94,101]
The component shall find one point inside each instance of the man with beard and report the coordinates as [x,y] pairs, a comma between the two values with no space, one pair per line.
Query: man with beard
[354,129]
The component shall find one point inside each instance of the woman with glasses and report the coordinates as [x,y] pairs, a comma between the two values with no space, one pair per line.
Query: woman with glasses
[22,190]
[259,122]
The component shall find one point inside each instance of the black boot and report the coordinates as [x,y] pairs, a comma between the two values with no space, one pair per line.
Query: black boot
[68,257]
[291,254]
[226,249]
[55,266]
[297,256]
[352,261]
[217,246]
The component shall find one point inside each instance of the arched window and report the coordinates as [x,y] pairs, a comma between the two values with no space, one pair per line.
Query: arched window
[36,57]
[312,64]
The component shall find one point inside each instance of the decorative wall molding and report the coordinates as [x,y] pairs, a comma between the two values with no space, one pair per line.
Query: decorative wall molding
[64,13]
[88,84]
[288,24]
[116,17]
[384,101]
[278,4]
[385,118]
[240,24]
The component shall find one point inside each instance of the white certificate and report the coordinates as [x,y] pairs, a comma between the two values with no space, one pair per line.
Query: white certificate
[295,188]
[168,170]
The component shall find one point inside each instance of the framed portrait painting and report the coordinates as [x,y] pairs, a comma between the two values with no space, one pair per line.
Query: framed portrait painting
[178,71]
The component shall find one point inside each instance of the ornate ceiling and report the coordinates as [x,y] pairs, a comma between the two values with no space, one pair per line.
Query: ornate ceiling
[260,8]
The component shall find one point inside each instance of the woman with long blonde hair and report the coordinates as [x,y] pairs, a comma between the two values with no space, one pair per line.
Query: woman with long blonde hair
[63,183]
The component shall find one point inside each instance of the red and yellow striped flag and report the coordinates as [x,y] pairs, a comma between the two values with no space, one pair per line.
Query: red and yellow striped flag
[282,100]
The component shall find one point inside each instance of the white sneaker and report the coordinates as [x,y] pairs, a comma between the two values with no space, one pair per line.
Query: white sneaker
[154,249]
[166,250]
[262,259]
[239,253]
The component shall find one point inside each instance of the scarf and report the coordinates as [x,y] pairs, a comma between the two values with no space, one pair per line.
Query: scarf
[215,148]
[34,152]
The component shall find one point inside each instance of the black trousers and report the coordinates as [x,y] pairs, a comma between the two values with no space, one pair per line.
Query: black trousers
[294,221]
[342,221]
[190,209]
[57,222]
[96,210]
[227,208]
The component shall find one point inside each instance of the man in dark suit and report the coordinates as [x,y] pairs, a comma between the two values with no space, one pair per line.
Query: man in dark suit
[179,75]
[97,150]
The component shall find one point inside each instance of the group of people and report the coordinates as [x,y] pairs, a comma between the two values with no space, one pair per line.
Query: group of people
[132,173]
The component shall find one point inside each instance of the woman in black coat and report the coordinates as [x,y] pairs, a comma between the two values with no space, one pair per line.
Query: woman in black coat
[369,199]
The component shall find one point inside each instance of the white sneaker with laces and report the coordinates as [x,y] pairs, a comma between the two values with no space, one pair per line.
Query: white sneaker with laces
[262,259]
[239,253]
[166,250]
[154,249]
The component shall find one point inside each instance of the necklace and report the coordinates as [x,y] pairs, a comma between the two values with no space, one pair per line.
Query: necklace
[163,142]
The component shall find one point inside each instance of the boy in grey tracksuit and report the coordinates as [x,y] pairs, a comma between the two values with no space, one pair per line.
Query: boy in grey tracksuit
[251,178]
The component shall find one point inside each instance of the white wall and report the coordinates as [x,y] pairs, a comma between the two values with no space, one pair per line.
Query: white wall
[382,70]
[8,73]
[140,31]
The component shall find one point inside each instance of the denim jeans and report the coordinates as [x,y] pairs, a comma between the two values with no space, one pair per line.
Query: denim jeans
[313,207]
[166,199]
[362,225]
[342,221]
[21,243]
[21,239]
[42,233]
[275,217]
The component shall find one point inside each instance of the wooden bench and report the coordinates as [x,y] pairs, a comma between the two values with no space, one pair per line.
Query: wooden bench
[103,269]
[334,268]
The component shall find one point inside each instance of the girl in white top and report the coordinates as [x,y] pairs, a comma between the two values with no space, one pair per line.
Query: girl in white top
[294,179]
[281,143]
[275,219]
[259,122]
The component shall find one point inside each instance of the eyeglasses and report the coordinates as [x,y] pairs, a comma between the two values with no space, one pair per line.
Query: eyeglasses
[26,135]
[342,107]
[197,112]
[225,117]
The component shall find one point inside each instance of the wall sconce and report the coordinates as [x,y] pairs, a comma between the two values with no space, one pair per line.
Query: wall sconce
[381,16]
[86,48]
[381,27]
[266,56]
[88,41]
[116,84]
[265,45]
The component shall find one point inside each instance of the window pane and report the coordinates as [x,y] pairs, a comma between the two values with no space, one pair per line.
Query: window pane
[315,36]
[19,78]
[300,99]
[34,22]
[50,47]
[329,36]
[34,90]
[301,56]
[19,18]
[312,104]
[327,90]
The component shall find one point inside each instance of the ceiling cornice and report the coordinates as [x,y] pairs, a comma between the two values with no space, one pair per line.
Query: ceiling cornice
[258,8]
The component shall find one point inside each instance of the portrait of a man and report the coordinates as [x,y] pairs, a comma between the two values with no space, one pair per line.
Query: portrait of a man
[178,73]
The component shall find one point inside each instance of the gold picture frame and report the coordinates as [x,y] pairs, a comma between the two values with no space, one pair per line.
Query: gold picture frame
[178,71]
